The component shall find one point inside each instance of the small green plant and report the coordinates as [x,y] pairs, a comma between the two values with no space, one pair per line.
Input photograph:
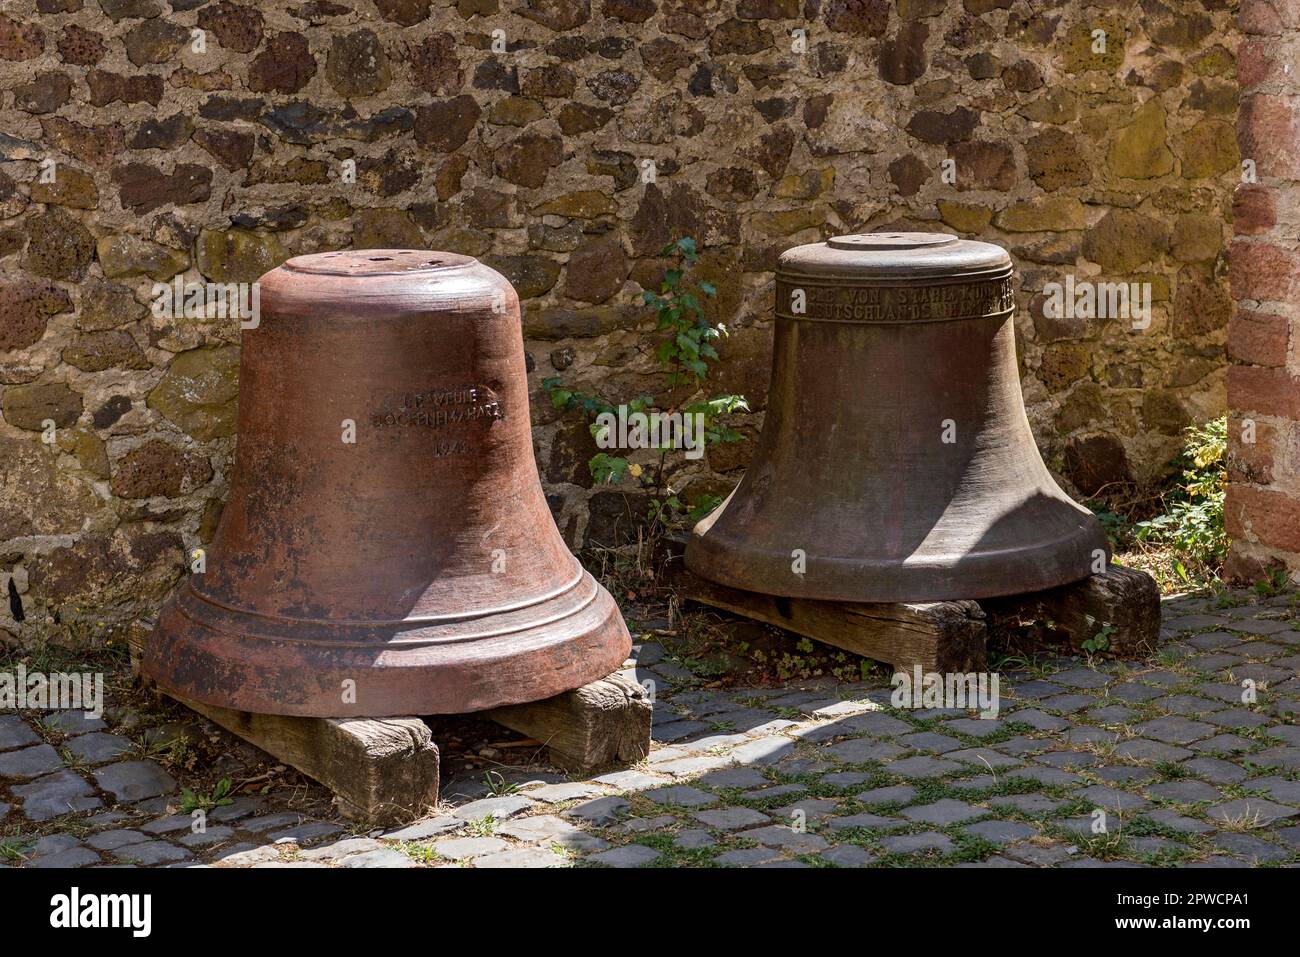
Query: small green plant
[169,752]
[485,826]
[194,801]
[1274,584]
[1192,524]
[497,785]
[686,352]
[15,848]
[421,853]
[1115,525]
[1100,641]
[704,667]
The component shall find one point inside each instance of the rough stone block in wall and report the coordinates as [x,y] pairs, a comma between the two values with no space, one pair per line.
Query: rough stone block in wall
[145,141]
[1263,502]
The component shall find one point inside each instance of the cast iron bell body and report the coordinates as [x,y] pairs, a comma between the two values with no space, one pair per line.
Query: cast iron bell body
[896,462]
[416,570]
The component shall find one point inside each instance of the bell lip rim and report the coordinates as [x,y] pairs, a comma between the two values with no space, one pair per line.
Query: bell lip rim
[889,574]
[406,624]
[408,644]
[304,264]
[971,593]
[607,642]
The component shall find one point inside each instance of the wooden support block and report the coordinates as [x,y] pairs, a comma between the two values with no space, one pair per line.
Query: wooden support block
[940,636]
[1123,602]
[137,633]
[602,723]
[381,770]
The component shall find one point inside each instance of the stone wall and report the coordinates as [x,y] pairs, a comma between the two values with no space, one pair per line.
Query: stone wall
[1262,510]
[527,147]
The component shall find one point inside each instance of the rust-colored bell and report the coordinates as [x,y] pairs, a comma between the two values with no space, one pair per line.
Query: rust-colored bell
[896,462]
[386,548]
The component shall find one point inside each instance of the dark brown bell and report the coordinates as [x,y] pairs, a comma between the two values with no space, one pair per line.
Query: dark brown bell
[416,570]
[896,462]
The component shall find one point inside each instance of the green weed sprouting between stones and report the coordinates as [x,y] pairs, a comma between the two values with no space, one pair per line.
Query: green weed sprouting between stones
[497,785]
[194,801]
[15,848]
[687,353]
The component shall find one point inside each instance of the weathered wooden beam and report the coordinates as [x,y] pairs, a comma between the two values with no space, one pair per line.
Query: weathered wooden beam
[602,723]
[381,770]
[137,633]
[1121,605]
[941,636]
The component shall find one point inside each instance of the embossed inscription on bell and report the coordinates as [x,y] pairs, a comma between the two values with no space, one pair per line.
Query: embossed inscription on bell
[896,462]
[386,548]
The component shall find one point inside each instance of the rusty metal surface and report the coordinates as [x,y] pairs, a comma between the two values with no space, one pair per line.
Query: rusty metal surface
[885,345]
[421,562]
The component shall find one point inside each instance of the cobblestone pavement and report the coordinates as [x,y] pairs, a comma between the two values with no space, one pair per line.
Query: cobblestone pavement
[1164,752]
